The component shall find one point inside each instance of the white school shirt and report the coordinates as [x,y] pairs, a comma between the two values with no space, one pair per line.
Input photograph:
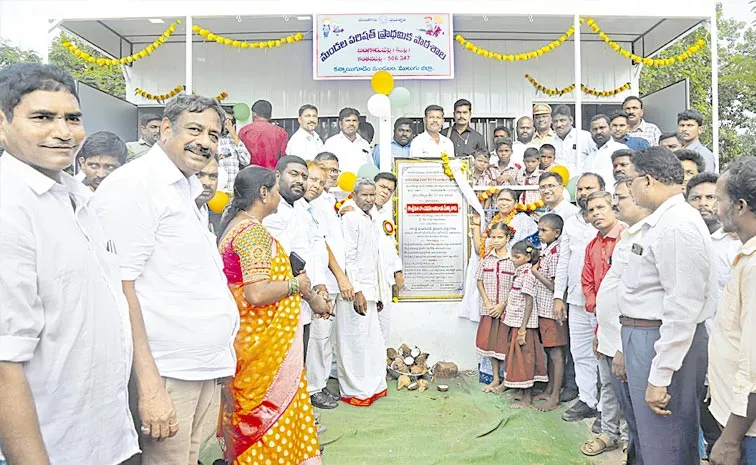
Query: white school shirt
[304,145]
[576,235]
[600,162]
[607,308]
[63,316]
[352,155]
[330,224]
[423,146]
[165,246]
[670,277]
[361,250]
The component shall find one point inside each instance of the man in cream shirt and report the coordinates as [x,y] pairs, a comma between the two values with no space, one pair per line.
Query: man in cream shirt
[732,348]
[431,143]
[183,315]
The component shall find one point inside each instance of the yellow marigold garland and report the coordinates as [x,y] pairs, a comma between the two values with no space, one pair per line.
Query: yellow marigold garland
[144,53]
[212,37]
[519,56]
[177,90]
[693,49]
[447,168]
[571,87]
[222,96]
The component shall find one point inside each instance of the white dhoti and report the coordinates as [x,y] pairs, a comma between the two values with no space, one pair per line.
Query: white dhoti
[360,354]
[319,354]
[384,319]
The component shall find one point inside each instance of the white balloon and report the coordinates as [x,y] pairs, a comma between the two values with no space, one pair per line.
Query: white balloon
[379,105]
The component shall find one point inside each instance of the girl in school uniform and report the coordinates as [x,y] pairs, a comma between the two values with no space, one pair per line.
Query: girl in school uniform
[495,275]
[525,361]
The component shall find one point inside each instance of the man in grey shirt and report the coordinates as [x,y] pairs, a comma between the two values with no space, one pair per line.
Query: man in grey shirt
[690,127]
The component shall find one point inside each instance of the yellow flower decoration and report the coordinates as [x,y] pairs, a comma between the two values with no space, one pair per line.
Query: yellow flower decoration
[159,98]
[212,37]
[502,57]
[692,50]
[571,87]
[447,168]
[144,53]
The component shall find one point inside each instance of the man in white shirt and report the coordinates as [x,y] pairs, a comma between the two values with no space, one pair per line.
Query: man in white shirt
[599,161]
[551,186]
[731,349]
[525,131]
[101,153]
[352,150]
[665,296]
[360,351]
[183,316]
[609,341]
[306,143]
[65,337]
[578,232]
[567,140]
[291,226]
[390,263]
[431,143]
[319,347]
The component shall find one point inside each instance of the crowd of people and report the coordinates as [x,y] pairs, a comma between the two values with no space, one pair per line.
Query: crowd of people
[128,307]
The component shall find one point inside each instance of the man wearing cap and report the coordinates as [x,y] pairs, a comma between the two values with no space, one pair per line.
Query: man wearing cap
[542,120]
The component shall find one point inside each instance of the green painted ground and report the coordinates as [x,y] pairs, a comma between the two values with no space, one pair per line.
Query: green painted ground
[435,428]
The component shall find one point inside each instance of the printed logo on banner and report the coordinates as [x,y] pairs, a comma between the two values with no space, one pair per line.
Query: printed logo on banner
[417,46]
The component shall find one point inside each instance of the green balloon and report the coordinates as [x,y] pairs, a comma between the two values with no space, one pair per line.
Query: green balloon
[241,112]
[400,97]
[572,186]
[368,171]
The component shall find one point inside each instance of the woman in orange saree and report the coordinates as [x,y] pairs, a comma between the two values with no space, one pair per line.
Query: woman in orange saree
[266,415]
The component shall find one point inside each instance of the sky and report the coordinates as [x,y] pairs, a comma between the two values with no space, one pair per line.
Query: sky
[738,9]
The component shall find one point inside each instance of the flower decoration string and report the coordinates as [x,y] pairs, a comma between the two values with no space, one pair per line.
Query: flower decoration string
[213,37]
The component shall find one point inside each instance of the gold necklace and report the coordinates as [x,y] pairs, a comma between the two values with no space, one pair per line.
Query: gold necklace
[251,217]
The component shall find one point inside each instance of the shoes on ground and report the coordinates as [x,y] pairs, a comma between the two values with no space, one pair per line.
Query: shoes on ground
[567,395]
[321,400]
[579,411]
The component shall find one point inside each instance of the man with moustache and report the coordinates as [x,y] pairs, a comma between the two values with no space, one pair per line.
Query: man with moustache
[183,316]
[360,350]
[431,143]
[636,125]
[211,176]
[542,121]
[290,225]
[525,131]
[621,162]
[467,140]
[690,128]
[597,264]
[319,347]
[665,296]
[578,232]
[65,338]
[599,161]
[731,347]
[351,149]
[306,143]
[566,140]
[149,132]
[400,144]
[101,154]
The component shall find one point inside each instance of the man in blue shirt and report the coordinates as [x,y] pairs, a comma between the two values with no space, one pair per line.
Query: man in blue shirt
[619,129]
[400,145]
[690,127]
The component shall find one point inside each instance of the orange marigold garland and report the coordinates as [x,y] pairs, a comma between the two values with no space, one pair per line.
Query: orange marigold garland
[340,203]
[447,168]
[161,97]
[496,219]
[221,97]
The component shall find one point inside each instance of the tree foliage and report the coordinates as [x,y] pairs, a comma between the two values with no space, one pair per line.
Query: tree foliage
[107,79]
[737,86]
[10,55]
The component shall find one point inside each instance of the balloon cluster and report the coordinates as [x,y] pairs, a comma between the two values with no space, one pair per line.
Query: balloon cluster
[386,95]
[347,179]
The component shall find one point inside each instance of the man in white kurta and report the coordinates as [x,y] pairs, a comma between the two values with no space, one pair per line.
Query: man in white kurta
[359,342]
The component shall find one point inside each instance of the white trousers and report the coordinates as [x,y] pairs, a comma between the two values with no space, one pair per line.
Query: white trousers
[360,353]
[319,354]
[582,326]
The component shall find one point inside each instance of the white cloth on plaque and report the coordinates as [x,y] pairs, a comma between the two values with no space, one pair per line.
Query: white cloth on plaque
[470,306]
[360,352]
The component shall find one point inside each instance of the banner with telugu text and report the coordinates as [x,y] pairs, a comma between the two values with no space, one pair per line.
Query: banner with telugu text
[409,46]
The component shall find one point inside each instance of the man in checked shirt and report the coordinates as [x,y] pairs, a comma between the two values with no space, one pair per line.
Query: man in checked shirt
[232,153]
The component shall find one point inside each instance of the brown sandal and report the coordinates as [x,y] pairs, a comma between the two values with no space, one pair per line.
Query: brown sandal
[598,445]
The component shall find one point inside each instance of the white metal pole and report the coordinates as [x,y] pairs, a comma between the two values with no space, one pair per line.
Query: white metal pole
[189,34]
[578,95]
[715,89]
